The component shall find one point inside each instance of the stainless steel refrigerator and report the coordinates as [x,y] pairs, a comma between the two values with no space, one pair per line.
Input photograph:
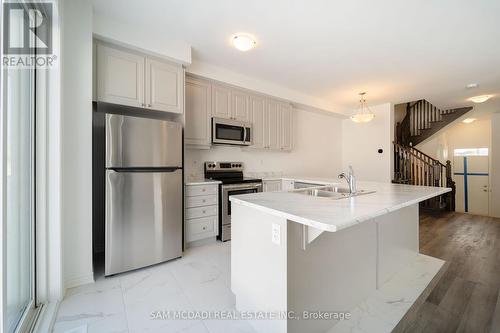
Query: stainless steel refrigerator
[143,209]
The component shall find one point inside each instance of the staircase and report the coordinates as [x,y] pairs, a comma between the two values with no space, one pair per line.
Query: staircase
[413,167]
[423,120]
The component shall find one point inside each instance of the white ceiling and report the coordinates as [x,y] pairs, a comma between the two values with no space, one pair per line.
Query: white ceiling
[396,50]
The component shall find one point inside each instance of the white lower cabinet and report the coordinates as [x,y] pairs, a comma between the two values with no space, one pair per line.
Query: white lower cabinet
[271,185]
[201,216]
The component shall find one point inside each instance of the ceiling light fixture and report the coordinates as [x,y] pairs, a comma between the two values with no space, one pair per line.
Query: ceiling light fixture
[243,41]
[469,120]
[480,99]
[363,114]
[472,85]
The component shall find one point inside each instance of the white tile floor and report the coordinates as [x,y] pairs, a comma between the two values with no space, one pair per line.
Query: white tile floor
[200,280]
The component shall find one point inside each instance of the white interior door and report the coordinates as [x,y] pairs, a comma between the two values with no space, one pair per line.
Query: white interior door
[478,184]
[471,175]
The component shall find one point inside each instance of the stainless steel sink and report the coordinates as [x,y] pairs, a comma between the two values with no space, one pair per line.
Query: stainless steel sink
[321,193]
[332,192]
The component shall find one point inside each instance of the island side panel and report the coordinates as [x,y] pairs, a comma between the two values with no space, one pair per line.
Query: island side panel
[397,241]
[334,273]
[258,265]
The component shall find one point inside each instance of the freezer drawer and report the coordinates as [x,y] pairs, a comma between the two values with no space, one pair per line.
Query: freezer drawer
[143,219]
[133,142]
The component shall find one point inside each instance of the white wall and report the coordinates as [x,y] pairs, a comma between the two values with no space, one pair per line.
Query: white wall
[495,166]
[361,141]
[76,92]
[317,150]
[144,39]
[266,87]
[460,135]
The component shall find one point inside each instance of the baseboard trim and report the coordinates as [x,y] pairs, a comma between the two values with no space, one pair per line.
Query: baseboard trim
[79,280]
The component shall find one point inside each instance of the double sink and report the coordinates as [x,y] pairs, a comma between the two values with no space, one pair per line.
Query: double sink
[331,192]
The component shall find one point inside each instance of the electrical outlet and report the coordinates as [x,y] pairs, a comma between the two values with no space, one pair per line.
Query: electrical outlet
[276,234]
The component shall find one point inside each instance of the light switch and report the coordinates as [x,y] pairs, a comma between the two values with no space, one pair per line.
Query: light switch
[276,234]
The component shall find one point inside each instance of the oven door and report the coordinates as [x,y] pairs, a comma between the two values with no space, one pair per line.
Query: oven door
[231,132]
[227,192]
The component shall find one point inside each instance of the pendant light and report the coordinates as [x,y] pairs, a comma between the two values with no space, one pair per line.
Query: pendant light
[363,114]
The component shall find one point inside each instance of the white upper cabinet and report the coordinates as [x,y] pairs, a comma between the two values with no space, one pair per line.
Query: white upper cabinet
[257,106]
[198,112]
[271,118]
[120,77]
[239,105]
[164,86]
[271,126]
[133,79]
[221,101]
[285,126]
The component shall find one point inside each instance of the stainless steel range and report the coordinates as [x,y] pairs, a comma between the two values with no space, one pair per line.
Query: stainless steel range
[233,183]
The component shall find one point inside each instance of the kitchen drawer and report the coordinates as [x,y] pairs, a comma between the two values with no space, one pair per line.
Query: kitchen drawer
[201,228]
[202,200]
[193,213]
[196,190]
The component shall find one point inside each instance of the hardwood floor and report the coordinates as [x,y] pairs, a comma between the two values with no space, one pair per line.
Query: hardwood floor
[464,296]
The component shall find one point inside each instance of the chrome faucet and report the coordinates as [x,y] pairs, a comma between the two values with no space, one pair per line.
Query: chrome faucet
[351,180]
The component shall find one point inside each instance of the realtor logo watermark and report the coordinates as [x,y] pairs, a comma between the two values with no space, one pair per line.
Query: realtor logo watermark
[28,34]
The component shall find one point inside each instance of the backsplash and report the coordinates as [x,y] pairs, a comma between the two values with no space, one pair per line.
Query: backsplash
[260,164]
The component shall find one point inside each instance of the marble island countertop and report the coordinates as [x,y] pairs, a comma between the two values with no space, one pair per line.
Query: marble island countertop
[331,215]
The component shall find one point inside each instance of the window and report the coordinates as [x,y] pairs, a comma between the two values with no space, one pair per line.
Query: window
[471,152]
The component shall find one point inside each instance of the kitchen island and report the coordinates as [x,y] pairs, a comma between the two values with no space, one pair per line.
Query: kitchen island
[296,252]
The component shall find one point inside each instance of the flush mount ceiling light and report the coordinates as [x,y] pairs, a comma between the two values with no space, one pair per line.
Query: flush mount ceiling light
[480,99]
[243,41]
[472,85]
[363,114]
[469,120]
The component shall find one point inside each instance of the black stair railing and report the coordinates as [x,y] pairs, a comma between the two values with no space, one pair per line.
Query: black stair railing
[412,166]
[422,120]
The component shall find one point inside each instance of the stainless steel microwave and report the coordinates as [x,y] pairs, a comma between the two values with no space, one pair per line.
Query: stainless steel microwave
[231,132]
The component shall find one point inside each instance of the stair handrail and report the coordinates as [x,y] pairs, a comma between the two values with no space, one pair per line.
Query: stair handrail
[409,150]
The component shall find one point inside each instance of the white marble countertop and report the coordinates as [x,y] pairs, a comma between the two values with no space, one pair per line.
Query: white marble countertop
[333,215]
[200,181]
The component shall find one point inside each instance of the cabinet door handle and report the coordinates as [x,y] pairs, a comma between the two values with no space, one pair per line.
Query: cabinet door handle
[203,190]
[142,104]
[203,201]
[204,212]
